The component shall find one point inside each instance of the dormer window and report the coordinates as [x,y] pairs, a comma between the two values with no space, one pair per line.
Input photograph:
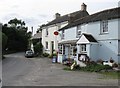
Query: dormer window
[104,26]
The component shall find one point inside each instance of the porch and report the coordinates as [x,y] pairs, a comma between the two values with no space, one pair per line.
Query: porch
[67,51]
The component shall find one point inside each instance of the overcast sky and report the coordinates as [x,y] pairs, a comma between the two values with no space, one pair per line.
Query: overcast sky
[37,12]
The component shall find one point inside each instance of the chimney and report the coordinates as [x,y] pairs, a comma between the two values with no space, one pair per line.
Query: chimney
[57,15]
[83,7]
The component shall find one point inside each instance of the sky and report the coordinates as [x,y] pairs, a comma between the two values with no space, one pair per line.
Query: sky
[38,12]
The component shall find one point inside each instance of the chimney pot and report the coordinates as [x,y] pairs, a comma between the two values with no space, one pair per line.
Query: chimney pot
[57,15]
[83,7]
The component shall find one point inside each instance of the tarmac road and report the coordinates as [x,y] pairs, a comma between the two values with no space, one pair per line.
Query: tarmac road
[21,71]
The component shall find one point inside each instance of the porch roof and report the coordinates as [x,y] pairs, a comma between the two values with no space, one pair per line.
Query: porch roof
[86,38]
[90,38]
[68,42]
[37,36]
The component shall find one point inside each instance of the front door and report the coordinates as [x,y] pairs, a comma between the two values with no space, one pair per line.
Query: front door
[52,46]
[67,52]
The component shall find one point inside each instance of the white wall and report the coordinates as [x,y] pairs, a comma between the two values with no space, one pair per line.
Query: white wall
[119,28]
[51,37]
[94,51]
[94,29]
[108,43]
[70,34]
[108,49]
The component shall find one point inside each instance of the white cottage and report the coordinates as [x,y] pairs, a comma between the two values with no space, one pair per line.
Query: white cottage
[96,36]
[49,40]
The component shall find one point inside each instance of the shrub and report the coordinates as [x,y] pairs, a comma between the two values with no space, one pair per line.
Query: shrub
[4,41]
[38,48]
[50,56]
[54,54]
[111,60]
[91,63]
[95,67]
[100,61]
[115,65]
[45,54]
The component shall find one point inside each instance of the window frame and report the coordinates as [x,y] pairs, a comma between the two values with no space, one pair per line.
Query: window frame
[46,45]
[46,32]
[83,48]
[104,27]
[61,49]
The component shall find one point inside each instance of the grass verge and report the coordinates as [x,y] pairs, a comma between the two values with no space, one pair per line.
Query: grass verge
[111,75]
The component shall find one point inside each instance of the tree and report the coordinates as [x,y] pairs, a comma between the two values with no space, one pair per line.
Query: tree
[17,35]
[4,41]
[15,22]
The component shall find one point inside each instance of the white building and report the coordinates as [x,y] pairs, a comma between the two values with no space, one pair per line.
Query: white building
[49,40]
[96,36]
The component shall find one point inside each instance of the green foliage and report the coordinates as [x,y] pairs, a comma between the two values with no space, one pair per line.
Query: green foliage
[18,38]
[113,75]
[54,54]
[38,48]
[95,67]
[35,41]
[4,41]
[92,67]
[45,54]
[15,23]
[67,69]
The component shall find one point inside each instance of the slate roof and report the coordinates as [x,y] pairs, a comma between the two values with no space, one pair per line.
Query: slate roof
[37,36]
[90,38]
[68,42]
[76,15]
[102,15]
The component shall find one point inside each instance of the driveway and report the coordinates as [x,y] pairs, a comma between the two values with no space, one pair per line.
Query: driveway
[21,71]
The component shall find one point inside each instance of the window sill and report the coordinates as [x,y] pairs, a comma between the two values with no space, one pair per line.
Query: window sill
[46,36]
[46,50]
[83,52]
[104,33]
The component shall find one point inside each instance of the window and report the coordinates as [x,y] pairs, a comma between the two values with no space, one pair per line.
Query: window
[104,26]
[61,49]
[46,45]
[78,31]
[46,31]
[83,47]
[73,50]
[63,34]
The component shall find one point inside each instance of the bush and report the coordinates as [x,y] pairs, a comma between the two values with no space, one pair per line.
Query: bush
[91,67]
[54,54]
[38,48]
[45,54]
[95,68]
[100,61]
[111,60]
[4,41]
[115,65]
